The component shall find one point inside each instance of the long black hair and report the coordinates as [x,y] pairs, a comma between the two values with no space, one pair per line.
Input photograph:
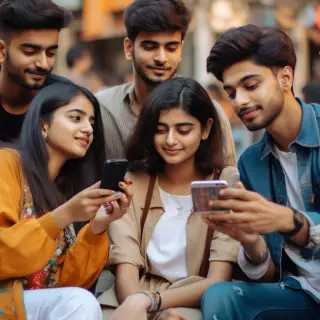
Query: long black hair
[76,174]
[182,93]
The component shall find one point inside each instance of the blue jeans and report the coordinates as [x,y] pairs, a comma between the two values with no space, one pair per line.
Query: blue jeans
[258,301]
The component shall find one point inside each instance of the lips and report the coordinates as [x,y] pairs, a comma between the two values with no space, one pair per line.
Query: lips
[248,114]
[84,141]
[172,151]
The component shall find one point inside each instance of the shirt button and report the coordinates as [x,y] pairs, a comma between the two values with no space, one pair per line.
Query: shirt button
[281,200]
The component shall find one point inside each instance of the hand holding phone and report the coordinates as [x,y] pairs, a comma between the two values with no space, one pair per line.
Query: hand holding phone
[113,173]
[204,191]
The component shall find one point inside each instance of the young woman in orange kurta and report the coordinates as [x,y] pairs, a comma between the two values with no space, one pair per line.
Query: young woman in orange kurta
[46,184]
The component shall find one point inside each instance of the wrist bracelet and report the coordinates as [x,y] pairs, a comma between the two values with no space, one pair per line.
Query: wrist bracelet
[155,298]
[151,298]
[263,255]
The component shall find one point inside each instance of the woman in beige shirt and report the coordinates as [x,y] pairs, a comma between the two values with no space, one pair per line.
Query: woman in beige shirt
[158,264]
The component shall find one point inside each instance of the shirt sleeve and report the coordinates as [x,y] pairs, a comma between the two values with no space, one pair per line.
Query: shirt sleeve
[125,240]
[251,271]
[21,241]
[223,248]
[84,260]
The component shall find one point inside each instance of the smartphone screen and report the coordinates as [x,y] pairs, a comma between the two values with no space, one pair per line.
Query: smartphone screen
[113,173]
[204,191]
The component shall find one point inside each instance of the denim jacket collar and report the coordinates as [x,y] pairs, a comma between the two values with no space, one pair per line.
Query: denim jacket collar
[306,136]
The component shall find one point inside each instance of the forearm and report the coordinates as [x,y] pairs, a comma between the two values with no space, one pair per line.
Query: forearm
[127,281]
[190,295]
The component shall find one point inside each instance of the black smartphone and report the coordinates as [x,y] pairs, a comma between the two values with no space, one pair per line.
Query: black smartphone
[113,172]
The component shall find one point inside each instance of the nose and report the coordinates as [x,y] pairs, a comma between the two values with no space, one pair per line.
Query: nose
[87,128]
[171,138]
[241,99]
[161,56]
[42,61]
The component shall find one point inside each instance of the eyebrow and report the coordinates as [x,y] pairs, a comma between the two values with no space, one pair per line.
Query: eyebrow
[182,124]
[82,112]
[242,80]
[37,47]
[151,42]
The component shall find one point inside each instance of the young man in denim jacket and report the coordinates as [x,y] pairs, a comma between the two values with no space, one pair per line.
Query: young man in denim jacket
[275,211]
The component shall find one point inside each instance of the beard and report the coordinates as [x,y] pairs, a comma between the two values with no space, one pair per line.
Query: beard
[15,75]
[270,111]
[149,81]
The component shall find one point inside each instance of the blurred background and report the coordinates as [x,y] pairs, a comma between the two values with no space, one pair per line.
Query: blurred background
[96,36]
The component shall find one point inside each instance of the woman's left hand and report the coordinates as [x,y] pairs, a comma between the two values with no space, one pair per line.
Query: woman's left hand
[114,210]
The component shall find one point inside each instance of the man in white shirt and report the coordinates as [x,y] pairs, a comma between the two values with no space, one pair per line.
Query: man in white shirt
[275,212]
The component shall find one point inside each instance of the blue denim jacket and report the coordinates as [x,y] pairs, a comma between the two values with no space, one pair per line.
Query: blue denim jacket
[261,171]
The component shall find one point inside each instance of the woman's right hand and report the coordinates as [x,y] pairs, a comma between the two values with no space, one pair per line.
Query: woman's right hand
[84,205]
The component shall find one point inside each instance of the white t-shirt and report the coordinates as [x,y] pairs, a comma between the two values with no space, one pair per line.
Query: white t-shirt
[309,271]
[166,250]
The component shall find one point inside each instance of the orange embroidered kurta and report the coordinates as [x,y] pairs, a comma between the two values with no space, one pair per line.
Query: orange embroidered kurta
[26,246]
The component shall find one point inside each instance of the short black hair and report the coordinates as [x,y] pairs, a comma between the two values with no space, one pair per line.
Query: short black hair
[269,47]
[20,15]
[75,53]
[156,16]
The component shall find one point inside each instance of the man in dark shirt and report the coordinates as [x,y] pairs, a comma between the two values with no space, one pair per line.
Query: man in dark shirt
[29,34]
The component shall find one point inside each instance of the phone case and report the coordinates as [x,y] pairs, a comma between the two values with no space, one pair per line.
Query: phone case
[204,191]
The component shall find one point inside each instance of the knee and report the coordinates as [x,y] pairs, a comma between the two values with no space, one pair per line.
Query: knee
[84,302]
[221,298]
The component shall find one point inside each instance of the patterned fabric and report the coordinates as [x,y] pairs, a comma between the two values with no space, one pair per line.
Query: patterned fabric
[45,278]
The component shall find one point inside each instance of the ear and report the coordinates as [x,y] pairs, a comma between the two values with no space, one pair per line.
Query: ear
[44,129]
[3,51]
[128,48]
[207,129]
[285,77]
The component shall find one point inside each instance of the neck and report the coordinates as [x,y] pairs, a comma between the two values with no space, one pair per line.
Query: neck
[15,98]
[176,179]
[141,91]
[56,162]
[286,127]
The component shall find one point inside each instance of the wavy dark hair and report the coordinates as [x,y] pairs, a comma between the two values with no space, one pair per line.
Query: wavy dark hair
[76,174]
[156,16]
[20,15]
[182,93]
[269,47]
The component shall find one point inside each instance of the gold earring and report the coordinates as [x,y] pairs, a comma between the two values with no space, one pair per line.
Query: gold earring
[45,136]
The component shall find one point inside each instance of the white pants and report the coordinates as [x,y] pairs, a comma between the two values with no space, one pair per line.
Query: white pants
[61,304]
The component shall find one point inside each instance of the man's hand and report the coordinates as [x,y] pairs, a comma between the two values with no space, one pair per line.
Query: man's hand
[250,215]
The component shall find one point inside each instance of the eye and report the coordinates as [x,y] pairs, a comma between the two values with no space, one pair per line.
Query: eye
[184,132]
[231,95]
[172,48]
[160,130]
[149,47]
[28,52]
[76,117]
[51,54]
[252,86]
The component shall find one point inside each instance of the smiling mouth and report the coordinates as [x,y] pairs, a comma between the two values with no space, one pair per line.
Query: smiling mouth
[84,142]
[172,152]
[249,114]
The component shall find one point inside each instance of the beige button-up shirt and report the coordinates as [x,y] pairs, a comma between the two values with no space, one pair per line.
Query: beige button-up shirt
[128,246]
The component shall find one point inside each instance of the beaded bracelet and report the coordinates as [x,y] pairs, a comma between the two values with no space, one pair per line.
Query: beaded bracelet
[155,298]
[153,302]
